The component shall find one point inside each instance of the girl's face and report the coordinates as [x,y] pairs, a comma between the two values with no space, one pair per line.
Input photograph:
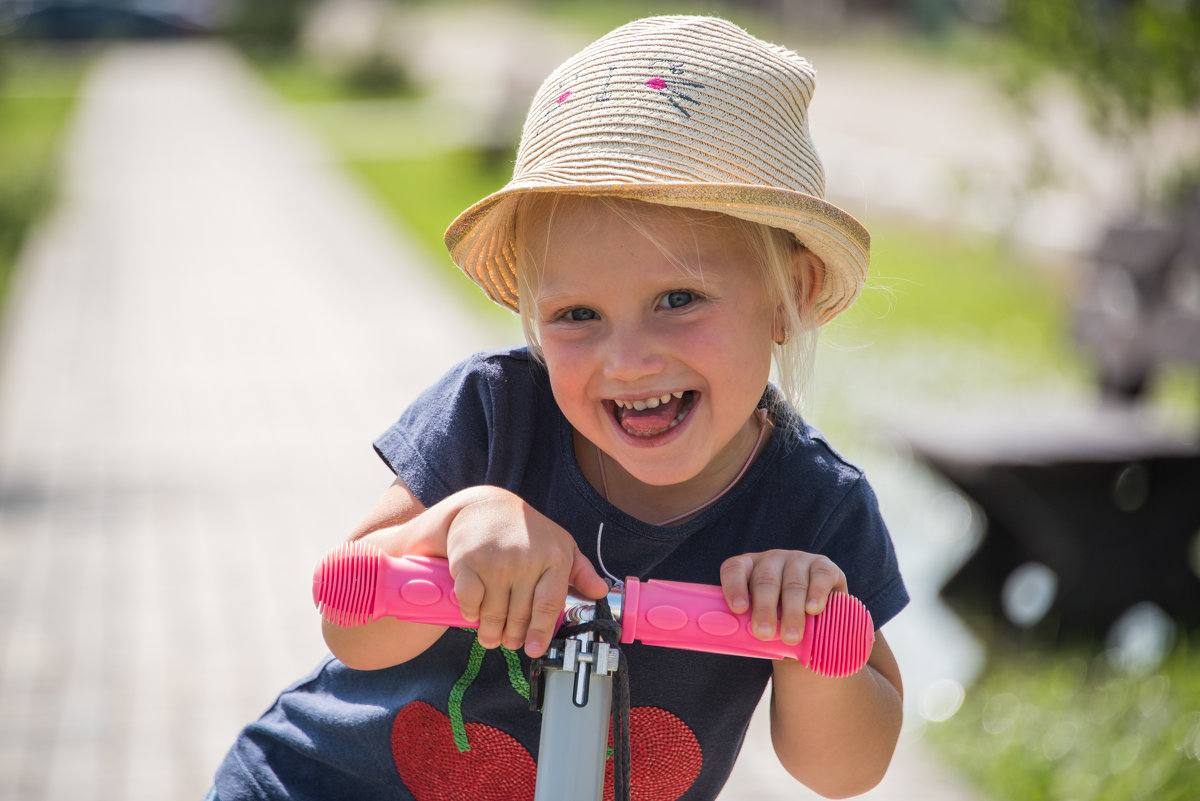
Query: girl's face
[659,367]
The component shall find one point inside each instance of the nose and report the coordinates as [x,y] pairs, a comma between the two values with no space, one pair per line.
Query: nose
[632,353]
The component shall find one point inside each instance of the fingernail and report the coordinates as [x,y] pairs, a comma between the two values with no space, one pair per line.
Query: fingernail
[765,630]
[791,636]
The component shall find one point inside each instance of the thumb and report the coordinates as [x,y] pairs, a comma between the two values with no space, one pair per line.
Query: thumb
[585,579]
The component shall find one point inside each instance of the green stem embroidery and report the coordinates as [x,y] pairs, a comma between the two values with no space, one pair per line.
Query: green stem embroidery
[454,708]
[516,673]
[516,677]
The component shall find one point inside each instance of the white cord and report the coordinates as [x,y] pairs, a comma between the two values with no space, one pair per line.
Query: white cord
[616,582]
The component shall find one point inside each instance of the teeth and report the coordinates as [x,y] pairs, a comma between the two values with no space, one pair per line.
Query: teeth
[647,403]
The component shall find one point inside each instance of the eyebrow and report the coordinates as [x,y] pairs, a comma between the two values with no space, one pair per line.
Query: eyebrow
[542,299]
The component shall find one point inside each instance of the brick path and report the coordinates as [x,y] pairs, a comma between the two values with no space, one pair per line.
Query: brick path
[201,344]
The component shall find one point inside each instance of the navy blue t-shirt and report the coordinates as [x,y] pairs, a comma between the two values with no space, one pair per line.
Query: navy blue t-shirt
[400,733]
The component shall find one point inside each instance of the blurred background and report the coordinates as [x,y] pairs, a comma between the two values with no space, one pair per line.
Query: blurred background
[222,275]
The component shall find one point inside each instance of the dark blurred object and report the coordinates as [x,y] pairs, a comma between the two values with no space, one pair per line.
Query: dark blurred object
[63,20]
[1140,305]
[1085,517]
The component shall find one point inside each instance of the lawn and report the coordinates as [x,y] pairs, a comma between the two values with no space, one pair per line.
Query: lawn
[37,90]
[1078,727]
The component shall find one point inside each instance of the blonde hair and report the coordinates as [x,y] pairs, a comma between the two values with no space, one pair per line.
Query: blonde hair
[775,250]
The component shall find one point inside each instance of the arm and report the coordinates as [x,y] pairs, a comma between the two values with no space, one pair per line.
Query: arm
[834,735]
[511,567]
[837,735]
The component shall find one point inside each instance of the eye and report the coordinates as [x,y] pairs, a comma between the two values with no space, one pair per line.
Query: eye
[676,299]
[579,315]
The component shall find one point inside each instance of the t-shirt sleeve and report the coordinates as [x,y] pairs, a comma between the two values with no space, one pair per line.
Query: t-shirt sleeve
[442,442]
[856,538]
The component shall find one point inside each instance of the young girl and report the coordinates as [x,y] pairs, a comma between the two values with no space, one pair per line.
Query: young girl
[665,241]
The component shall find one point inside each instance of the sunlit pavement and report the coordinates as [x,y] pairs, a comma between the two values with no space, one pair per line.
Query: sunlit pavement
[202,343]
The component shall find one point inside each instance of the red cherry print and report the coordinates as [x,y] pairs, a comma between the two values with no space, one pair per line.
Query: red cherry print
[664,756]
[496,768]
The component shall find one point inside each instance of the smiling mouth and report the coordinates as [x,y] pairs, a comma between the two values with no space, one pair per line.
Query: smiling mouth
[650,417]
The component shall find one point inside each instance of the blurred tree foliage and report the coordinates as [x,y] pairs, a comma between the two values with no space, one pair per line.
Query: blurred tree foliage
[1130,60]
[269,27]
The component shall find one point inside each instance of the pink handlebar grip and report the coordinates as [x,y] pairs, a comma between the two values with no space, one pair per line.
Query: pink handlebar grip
[836,642]
[356,584]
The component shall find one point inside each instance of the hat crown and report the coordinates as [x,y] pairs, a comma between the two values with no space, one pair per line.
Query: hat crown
[671,100]
[681,111]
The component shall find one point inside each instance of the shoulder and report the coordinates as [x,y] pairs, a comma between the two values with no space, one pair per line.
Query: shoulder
[494,367]
[483,380]
[817,484]
[805,450]
[472,426]
[504,361]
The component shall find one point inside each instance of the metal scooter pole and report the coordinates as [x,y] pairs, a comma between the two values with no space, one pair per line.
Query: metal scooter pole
[576,694]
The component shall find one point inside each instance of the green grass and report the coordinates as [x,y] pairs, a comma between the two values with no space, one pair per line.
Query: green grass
[37,89]
[304,82]
[962,287]
[427,192]
[424,193]
[1045,727]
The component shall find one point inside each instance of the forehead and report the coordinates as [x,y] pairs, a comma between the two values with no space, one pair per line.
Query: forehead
[564,231]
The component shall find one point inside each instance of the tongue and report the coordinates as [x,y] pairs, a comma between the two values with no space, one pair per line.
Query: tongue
[649,422]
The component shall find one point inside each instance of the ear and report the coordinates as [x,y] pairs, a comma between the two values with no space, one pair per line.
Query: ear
[779,327]
[810,276]
[808,273]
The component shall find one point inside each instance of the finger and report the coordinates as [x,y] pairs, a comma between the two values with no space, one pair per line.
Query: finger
[766,585]
[468,591]
[584,578]
[549,596]
[493,616]
[793,601]
[517,616]
[735,582]
[824,577]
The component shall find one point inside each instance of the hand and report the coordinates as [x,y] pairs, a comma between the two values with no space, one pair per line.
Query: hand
[512,567]
[778,588]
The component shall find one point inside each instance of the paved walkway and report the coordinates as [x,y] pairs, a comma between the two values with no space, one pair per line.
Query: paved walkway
[201,344]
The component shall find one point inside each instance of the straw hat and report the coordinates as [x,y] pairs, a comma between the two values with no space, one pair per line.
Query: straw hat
[682,111]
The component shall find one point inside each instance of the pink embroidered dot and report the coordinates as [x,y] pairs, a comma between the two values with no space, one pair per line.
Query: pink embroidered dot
[656,83]
[564,96]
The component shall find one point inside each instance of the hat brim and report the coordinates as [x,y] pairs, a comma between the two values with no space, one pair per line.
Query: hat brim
[480,239]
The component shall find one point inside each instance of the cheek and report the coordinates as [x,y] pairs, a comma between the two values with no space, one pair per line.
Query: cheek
[737,352]
[568,374]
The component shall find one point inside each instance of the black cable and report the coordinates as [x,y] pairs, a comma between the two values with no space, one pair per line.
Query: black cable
[609,630]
